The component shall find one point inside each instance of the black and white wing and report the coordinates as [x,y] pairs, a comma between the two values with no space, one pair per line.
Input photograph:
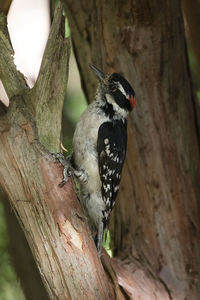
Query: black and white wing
[111,148]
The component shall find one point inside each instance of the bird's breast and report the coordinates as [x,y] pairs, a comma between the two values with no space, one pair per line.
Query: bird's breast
[85,145]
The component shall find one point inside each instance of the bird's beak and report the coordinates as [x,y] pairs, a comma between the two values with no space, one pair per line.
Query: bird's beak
[132,101]
[101,76]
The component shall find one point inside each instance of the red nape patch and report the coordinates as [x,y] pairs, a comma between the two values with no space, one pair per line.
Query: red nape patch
[132,101]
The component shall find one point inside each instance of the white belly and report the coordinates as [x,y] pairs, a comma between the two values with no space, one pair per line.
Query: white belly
[86,158]
[85,143]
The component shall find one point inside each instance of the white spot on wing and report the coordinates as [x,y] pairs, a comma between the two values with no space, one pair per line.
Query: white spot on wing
[107,201]
[108,150]
[116,188]
[106,187]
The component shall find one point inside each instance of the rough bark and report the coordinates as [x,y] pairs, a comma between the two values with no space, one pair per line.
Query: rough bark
[50,217]
[156,223]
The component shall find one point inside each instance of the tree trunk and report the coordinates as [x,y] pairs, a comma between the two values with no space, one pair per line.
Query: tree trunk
[51,217]
[155,226]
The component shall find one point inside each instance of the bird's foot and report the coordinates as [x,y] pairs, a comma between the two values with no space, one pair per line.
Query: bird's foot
[68,169]
[81,175]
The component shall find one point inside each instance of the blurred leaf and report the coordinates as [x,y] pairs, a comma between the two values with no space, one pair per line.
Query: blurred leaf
[198,96]
[74,106]
[67,29]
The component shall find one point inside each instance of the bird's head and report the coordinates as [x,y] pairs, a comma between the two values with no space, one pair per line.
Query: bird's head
[117,89]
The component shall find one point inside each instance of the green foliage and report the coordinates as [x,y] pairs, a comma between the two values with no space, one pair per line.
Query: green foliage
[67,29]
[75,105]
[9,285]
[106,243]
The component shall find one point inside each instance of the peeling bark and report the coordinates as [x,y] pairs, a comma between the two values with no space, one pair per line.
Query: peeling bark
[50,216]
[51,219]
[155,226]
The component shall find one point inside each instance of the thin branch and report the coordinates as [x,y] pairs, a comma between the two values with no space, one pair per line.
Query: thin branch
[49,90]
[13,81]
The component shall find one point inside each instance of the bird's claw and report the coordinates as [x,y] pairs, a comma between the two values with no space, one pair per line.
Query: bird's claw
[68,170]
[81,175]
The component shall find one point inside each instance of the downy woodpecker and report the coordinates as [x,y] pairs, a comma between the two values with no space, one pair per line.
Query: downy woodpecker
[99,148]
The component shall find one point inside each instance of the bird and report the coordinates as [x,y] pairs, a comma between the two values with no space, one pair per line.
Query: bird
[99,149]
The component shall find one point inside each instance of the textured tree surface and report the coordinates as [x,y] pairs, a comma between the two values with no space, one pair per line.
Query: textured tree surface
[51,217]
[155,226]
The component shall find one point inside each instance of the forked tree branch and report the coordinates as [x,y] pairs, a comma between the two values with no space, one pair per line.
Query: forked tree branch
[48,93]
[50,216]
[157,212]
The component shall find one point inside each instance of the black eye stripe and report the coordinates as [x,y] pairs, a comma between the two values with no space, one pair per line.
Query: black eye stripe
[121,100]
[117,78]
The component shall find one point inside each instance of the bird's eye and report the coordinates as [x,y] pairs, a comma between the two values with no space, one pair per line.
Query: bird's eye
[112,87]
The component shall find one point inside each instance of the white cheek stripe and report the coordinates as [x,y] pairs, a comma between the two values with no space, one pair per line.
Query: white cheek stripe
[120,87]
[116,107]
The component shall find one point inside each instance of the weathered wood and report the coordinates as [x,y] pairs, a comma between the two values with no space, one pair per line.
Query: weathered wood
[48,93]
[156,220]
[14,82]
[50,216]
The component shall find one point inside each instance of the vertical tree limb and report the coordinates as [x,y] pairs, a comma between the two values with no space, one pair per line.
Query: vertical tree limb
[49,90]
[158,208]
[51,217]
